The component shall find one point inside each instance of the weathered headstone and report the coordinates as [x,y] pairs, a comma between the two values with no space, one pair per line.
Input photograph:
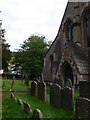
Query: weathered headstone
[27,80]
[33,91]
[28,90]
[15,98]
[67,99]
[69,83]
[59,82]
[36,80]
[20,102]
[82,108]
[89,110]
[41,91]
[21,78]
[27,107]
[4,81]
[55,95]
[12,96]
[84,89]
[3,84]
[37,115]
[12,83]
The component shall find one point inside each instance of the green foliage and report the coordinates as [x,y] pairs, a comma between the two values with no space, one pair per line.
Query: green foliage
[6,54]
[30,56]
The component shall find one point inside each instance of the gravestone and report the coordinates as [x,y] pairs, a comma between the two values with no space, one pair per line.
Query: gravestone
[33,91]
[82,108]
[55,95]
[89,109]
[12,96]
[15,98]
[13,79]
[36,80]
[27,80]
[4,81]
[27,107]
[69,83]
[59,82]
[21,78]
[67,99]
[41,91]
[28,90]
[89,90]
[20,102]
[84,89]
[37,115]
[3,84]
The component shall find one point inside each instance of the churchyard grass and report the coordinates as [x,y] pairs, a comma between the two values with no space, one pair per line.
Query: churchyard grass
[11,109]
[76,93]
[0,84]
[18,86]
[47,110]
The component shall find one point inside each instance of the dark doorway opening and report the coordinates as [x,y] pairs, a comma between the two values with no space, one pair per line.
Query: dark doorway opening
[66,72]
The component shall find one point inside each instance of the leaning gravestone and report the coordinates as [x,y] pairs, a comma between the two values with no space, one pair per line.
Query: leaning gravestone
[82,108]
[20,102]
[27,107]
[67,99]
[55,95]
[33,90]
[41,91]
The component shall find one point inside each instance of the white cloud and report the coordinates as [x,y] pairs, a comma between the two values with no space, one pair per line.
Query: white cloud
[21,18]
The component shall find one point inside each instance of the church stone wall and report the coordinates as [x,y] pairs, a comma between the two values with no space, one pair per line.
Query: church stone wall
[74,12]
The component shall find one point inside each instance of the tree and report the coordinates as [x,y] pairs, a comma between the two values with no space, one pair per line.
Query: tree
[6,53]
[30,56]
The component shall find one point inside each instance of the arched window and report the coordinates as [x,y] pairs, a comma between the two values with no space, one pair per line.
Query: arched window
[87,23]
[85,27]
[69,31]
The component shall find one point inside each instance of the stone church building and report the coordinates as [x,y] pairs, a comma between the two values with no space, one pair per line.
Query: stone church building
[69,55]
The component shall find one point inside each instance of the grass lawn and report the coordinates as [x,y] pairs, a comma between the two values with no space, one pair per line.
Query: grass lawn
[0,84]
[18,86]
[11,109]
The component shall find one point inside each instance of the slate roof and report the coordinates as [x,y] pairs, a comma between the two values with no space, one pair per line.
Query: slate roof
[80,58]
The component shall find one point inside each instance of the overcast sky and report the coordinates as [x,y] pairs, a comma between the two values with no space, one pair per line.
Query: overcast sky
[22,18]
